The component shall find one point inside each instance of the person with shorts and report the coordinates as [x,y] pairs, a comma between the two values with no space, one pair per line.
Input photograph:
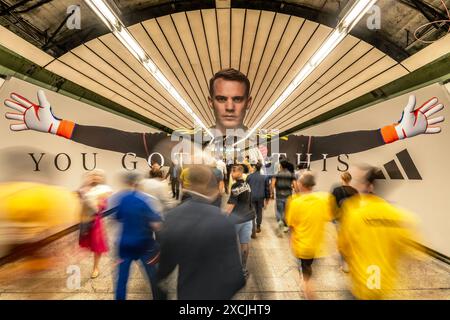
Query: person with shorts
[307,214]
[241,211]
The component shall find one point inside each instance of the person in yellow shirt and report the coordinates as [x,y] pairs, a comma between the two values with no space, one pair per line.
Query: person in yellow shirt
[307,214]
[184,180]
[30,212]
[372,238]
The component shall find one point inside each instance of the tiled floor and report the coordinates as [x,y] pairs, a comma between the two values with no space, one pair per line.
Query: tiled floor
[273,273]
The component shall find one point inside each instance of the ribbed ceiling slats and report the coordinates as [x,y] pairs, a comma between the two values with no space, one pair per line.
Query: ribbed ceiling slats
[189,47]
[310,37]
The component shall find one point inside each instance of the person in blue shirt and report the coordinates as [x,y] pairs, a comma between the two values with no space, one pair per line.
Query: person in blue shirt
[139,222]
[259,196]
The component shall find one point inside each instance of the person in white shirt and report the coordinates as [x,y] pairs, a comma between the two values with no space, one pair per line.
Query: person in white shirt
[158,187]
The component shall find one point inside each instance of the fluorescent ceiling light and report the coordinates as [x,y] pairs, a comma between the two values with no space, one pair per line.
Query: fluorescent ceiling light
[131,44]
[103,11]
[351,18]
[109,18]
[355,13]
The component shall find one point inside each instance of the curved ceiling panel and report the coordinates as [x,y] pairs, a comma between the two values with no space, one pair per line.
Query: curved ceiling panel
[189,41]
[189,47]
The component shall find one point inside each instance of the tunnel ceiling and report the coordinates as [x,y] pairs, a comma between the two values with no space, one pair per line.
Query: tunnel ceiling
[191,40]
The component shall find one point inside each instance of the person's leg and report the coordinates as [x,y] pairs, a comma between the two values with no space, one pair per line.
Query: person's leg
[278,209]
[259,207]
[149,263]
[306,271]
[343,264]
[173,186]
[280,215]
[244,239]
[95,269]
[244,257]
[177,188]
[124,271]
[283,211]
[254,227]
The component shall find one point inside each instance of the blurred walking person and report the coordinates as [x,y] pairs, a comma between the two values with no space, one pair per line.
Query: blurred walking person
[94,194]
[340,194]
[158,187]
[217,183]
[345,190]
[174,174]
[201,241]
[282,184]
[136,241]
[373,237]
[257,183]
[222,166]
[307,215]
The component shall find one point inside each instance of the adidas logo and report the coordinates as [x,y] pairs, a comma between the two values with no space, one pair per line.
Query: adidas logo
[406,163]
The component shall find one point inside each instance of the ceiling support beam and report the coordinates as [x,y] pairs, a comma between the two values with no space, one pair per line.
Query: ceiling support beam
[11,8]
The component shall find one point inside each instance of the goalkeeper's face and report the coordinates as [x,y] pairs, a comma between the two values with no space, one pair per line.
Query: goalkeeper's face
[230,103]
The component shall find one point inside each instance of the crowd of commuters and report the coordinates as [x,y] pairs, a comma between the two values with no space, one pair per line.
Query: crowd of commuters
[206,231]
[205,221]
[185,218]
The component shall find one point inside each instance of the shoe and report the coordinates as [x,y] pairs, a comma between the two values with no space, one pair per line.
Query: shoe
[246,274]
[279,230]
[344,267]
[253,236]
[95,274]
[280,225]
[258,229]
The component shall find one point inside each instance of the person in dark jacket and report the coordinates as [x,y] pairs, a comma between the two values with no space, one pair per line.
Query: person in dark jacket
[257,183]
[199,239]
[174,174]
[344,190]
[340,194]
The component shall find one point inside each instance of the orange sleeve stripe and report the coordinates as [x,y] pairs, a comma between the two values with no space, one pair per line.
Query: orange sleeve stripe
[389,134]
[65,129]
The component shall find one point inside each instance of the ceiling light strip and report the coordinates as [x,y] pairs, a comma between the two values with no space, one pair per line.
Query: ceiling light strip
[112,21]
[351,18]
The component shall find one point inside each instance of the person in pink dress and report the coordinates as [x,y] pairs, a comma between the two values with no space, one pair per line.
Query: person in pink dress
[94,194]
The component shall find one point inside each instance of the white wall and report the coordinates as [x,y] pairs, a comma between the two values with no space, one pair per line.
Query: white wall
[66,108]
[428,198]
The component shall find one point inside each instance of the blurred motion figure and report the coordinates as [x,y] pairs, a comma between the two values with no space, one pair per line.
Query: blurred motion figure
[373,237]
[31,209]
[307,214]
[94,195]
[199,239]
[137,240]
